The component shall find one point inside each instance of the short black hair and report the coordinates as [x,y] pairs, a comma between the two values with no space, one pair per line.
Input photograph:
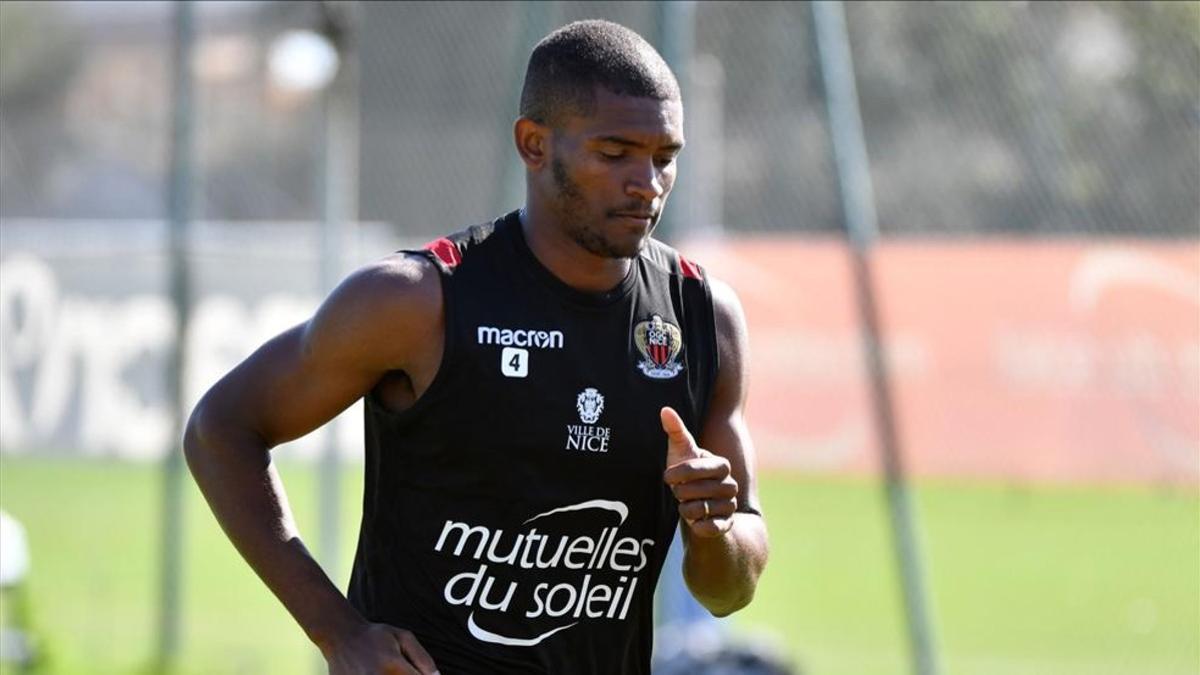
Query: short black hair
[566,66]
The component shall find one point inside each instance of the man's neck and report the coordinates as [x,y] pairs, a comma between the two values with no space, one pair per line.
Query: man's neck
[574,265]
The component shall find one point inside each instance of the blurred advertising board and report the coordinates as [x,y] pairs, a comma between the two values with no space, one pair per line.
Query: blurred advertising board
[1040,360]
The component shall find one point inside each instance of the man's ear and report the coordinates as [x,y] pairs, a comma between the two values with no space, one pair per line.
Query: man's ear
[533,143]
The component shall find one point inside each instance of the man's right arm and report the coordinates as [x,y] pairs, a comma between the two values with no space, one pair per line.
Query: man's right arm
[371,324]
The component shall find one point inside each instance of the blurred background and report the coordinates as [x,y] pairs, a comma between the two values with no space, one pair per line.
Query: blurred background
[1028,175]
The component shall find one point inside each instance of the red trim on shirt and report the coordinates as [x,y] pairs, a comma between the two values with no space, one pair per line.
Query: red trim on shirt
[446,251]
[690,269]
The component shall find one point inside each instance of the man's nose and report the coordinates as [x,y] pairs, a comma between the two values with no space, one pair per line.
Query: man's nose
[646,182]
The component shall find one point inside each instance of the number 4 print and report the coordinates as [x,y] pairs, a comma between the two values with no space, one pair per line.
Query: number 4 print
[514,362]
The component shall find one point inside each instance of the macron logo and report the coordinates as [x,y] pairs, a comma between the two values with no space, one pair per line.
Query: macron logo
[546,339]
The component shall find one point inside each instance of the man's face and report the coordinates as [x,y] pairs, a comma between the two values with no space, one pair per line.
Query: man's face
[611,171]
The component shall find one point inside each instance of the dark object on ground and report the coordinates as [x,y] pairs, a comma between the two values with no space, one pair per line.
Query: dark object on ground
[705,649]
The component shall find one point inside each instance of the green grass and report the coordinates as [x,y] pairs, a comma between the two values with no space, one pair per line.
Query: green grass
[1031,581]
[1054,581]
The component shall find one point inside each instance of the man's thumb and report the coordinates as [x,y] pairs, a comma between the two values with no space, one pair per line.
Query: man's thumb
[680,444]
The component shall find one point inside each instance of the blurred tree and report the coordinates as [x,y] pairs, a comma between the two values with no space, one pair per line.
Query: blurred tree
[40,54]
[1016,117]
[1032,117]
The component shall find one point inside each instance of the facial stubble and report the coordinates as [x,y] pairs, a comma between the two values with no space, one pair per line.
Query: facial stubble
[573,211]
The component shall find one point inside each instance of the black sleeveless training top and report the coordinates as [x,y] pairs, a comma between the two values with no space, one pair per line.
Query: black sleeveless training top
[515,518]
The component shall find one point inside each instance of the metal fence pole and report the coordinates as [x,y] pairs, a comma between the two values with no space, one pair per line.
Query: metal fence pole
[338,175]
[676,34]
[858,205]
[535,18]
[179,208]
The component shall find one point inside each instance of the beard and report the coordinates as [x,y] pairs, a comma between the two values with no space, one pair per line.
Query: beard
[581,226]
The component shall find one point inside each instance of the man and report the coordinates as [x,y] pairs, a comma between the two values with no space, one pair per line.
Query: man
[529,388]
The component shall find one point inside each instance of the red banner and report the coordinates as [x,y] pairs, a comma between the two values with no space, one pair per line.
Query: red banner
[1060,361]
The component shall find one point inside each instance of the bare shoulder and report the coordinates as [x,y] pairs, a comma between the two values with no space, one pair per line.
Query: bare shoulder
[386,307]
[400,279]
[727,307]
[732,337]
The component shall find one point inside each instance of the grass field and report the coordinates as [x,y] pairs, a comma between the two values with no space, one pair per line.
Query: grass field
[1053,581]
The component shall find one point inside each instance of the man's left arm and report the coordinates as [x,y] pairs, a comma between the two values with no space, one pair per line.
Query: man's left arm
[724,534]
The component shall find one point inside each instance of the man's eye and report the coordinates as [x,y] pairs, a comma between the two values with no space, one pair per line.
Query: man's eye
[664,161]
[610,154]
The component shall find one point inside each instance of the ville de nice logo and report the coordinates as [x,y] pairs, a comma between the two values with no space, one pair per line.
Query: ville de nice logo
[586,436]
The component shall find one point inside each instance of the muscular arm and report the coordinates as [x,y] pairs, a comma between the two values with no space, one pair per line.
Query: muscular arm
[291,385]
[724,554]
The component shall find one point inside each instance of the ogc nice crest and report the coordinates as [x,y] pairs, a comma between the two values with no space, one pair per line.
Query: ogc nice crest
[659,343]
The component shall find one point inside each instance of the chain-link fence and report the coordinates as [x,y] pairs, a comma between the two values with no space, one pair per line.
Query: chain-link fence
[979,117]
[1064,118]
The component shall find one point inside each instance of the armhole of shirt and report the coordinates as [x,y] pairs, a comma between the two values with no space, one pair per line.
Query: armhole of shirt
[715,368]
[710,316]
[449,332]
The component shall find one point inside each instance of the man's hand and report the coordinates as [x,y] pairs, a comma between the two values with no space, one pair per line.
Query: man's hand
[701,480]
[380,649]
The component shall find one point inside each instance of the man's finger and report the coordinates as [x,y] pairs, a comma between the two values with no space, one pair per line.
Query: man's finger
[680,444]
[415,653]
[699,509]
[710,528]
[726,488]
[698,468]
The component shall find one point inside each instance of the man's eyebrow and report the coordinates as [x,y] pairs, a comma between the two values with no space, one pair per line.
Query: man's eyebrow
[621,140]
